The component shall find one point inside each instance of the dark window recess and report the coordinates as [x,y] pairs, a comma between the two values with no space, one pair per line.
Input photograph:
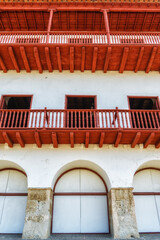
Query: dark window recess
[81,119]
[15,118]
[142,119]
[27,40]
[131,40]
[80,40]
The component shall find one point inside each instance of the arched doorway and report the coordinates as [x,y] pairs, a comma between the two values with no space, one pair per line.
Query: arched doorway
[13,199]
[146,185]
[80,203]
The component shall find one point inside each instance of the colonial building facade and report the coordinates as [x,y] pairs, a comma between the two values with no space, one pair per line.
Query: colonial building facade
[79,117]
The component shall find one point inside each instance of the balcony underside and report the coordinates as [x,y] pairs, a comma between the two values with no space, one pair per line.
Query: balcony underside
[114,57]
[85,136]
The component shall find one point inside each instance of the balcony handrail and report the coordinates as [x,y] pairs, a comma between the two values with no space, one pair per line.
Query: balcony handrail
[79,119]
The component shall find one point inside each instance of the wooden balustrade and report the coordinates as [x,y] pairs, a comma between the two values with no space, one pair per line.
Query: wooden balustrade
[78,38]
[80,119]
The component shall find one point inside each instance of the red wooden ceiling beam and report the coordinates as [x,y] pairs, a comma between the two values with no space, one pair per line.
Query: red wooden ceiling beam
[7,139]
[24,58]
[3,66]
[37,58]
[13,58]
[118,139]
[72,139]
[94,61]
[139,60]
[37,139]
[20,139]
[87,140]
[55,140]
[149,140]
[124,59]
[59,59]
[71,59]
[157,144]
[136,139]
[83,59]
[101,140]
[48,60]
[108,56]
[152,57]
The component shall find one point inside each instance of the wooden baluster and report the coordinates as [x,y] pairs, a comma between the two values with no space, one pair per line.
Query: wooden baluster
[118,119]
[9,118]
[56,120]
[5,118]
[145,119]
[153,120]
[110,120]
[45,115]
[102,119]
[133,118]
[17,118]
[122,117]
[79,118]
[149,118]
[106,118]
[24,119]
[91,114]
[87,119]
[60,119]
[157,122]
[83,120]
[95,118]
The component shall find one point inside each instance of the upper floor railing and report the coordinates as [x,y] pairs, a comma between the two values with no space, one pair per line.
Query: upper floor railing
[78,38]
[81,1]
[80,119]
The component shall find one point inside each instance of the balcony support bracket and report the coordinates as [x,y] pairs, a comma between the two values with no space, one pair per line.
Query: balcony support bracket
[20,139]
[54,140]
[7,139]
[149,140]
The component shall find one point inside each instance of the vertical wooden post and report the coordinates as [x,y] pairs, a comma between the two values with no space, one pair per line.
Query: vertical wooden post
[106,22]
[49,24]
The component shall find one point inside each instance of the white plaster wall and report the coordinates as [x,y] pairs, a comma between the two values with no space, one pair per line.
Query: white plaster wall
[116,165]
[49,89]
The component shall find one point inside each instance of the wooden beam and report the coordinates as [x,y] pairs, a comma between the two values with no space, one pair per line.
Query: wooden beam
[124,59]
[48,60]
[157,144]
[136,139]
[7,139]
[24,58]
[149,140]
[87,140]
[118,139]
[72,139]
[37,58]
[94,61]
[108,56]
[106,22]
[20,139]
[59,59]
[49,24]
[13,58]
[101,141]
[55,140]
[139,60]
[153,54]
[71,59]
[83,59]
[37,139]
[3,66]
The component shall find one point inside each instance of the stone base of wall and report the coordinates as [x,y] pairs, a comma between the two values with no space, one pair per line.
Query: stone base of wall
[122,213]
[38,214]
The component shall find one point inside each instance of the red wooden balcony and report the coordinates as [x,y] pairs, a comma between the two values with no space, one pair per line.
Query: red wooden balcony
[80,126]
[79,51]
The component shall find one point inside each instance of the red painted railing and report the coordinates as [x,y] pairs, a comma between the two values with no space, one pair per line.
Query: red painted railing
[80,119]
[85,1]
[78,38]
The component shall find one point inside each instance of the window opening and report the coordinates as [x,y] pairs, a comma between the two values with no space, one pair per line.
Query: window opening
[142,119]
[15,118]
[84,118]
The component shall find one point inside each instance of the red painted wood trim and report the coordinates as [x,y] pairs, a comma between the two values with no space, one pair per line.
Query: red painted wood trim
[37,139]
[94,59]
[107,59]
[139,60]
[24,58]
[101,141]
[158,144]
[59,58]
[149,139]
[14,194]
[106,22]
[118,139]
[155,97]
[48,60]
[145,193]
[50,21]
[13,58]
[80,194]
[87,140]
[71,59]
[152,57]
[37,58]
[81,96]
[72,139]
[147,168]
[83,59]
[15,169]
[20,139]
[124,59]
[55,140]
[136,139]
[7,139]
[3,66]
